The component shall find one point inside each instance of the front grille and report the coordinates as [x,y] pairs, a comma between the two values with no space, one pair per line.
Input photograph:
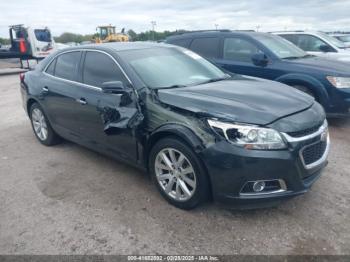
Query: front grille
[305,132]
[314,152]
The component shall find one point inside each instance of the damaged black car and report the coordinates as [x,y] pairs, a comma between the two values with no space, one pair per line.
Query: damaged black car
[199,132]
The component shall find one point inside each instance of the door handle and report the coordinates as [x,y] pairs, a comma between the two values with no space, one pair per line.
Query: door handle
[81,101]
[45,89]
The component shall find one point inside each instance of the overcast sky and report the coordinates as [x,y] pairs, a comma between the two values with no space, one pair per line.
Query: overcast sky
[82,16]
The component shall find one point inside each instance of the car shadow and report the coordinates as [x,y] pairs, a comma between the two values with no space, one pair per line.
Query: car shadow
[339,122]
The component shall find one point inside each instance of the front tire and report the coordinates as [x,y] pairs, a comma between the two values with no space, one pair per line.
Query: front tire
[178,173]
[41,126]
[306,90]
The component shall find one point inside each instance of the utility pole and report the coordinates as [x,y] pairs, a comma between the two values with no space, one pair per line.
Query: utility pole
[257,28]
[216,26]
[153,23]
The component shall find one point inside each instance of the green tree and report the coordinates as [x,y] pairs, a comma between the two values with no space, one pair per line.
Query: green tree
[4,41]
[71,37]
[132,35]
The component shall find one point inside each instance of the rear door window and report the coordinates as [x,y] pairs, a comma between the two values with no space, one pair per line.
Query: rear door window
[67,65]
[100,68]
[237,49]
[206,46]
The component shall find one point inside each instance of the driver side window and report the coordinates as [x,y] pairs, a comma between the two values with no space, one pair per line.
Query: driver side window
[99,68]
[310,43]
[239,50]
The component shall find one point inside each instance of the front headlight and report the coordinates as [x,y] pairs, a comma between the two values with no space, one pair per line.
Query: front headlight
[249,137]
[339,82]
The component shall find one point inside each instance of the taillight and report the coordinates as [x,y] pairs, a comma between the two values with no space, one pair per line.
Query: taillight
[22,46]
[21,77]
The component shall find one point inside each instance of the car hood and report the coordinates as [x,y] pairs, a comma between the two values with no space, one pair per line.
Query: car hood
[327,65]
[247,100]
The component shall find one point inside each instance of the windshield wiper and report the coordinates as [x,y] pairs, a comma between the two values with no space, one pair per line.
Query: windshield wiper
[212,80]
[169,87]
[293,57]
[298,57]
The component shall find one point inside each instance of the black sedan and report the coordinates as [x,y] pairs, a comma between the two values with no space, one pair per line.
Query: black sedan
[199,132]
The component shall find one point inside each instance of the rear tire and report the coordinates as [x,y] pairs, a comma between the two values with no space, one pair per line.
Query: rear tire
[41,126]
[178,173]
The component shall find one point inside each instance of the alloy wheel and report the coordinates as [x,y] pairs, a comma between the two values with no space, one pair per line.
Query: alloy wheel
[39,124]
[175,174]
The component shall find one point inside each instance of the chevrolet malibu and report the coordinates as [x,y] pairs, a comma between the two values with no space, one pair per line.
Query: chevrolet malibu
[200,133]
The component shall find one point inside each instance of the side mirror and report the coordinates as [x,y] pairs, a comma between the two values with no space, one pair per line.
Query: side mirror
[325,48]
[260,59]
[113,87]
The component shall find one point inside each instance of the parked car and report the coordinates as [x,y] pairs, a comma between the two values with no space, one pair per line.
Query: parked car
[318,43]
[345,38]
[198,131]
[272,57]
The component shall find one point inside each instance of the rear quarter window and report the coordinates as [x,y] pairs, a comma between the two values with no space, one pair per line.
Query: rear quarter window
[206,46]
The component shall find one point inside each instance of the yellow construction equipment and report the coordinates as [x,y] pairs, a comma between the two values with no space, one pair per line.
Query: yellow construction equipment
[107,34]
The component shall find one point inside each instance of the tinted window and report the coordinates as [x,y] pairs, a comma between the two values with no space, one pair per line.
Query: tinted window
[100,68]
[239,50]
[208,47]
[309,43]
[42,35]
[67,65]
[181,42]
[290,38]
[51,69]
[280,46]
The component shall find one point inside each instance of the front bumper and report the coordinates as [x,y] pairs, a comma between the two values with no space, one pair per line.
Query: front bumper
[340,107]
[230,168]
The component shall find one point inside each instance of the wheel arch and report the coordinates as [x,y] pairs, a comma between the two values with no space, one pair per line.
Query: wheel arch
[179,131]
[30,102]
[315,86]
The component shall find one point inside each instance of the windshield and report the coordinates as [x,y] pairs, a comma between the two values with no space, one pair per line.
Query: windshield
[42,35]
[280,47]
[171,67]
[332,40]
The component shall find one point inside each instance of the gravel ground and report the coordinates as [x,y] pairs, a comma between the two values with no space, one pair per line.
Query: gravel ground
[69,200]
[9,63]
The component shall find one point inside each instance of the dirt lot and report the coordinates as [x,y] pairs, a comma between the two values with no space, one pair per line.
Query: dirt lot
[69,200]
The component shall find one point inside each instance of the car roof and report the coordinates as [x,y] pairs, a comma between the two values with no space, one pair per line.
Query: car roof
[338,34]
[214,33]
[118,46]
[296,32]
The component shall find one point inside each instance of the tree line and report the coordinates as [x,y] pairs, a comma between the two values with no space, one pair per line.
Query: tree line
[143,36]
[78,38]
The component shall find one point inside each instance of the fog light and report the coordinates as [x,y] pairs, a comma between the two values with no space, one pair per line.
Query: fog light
[259,186]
